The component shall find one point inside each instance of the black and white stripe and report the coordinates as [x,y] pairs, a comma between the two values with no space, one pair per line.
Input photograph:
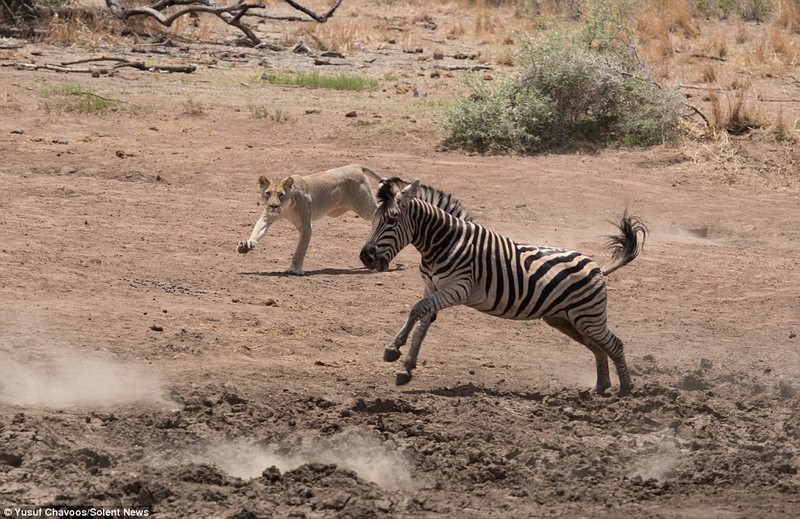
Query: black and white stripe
[464,263]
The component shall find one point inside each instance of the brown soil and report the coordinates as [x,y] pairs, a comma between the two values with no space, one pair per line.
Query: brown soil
[143,362]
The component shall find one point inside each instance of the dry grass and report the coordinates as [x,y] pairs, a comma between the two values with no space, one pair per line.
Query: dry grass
[455,31]
[339,34]
[715,45]
[788,15]
[783,132]
[743,34]
[90,28]
[734,113]
[708,73]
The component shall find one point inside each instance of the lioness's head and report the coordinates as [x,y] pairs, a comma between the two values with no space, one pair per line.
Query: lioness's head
[275,194]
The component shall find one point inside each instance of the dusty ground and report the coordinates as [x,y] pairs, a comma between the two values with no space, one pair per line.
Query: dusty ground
[143,362]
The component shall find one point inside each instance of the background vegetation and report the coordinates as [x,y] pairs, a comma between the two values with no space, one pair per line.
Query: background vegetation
[566,72]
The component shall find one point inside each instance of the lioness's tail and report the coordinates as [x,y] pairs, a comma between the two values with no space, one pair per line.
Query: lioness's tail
[627,245]
[371,173]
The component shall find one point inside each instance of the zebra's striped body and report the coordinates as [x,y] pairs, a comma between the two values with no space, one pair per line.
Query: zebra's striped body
[463,263]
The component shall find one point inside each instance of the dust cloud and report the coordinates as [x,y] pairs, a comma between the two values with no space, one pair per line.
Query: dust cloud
[60,377]
[356,450]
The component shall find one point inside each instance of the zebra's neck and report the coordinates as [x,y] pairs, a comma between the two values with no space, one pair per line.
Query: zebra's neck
[433,231]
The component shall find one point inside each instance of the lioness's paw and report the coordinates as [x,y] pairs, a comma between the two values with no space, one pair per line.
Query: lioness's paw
[244,247]
[294,271]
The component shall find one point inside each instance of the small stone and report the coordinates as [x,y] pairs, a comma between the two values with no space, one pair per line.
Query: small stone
[351,114]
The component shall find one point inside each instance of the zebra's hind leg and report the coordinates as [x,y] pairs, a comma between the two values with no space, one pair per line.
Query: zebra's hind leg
[600,356]
[612,345]
[403,376]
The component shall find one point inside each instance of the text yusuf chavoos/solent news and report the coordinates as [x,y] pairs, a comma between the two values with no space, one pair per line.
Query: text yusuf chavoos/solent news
[79,512]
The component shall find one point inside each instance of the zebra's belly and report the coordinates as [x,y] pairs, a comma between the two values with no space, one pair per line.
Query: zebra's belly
[503,311]
[548,297]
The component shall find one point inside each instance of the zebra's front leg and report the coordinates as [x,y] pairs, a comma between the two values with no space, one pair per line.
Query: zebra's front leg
[424,312]
[403,376]
[392,351]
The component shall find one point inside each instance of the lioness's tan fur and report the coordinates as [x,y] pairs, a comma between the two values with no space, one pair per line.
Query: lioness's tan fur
[303,199]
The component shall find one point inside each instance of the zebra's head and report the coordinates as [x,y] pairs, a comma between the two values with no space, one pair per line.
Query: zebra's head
[390,233]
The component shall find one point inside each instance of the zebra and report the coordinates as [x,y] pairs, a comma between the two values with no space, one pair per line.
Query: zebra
[464,263]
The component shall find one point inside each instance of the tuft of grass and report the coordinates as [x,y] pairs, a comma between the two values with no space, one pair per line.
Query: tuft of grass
[317,80]
[737,117]
[783,132]
[338,34]
[71,97]
[708,74]
[276,116]
[755,10]
[193,108]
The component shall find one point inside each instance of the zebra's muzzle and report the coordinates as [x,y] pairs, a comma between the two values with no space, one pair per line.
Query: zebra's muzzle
[369,257]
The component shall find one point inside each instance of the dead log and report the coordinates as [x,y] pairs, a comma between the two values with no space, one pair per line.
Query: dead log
[231,14]
[67,67]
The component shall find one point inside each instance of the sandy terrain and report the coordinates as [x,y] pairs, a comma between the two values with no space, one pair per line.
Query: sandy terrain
[144,363]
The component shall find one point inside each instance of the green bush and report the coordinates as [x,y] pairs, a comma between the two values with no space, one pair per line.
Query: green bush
[500,120]
[564,92]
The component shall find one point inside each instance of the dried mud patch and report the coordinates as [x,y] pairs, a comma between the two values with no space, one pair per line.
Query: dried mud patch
[411,453]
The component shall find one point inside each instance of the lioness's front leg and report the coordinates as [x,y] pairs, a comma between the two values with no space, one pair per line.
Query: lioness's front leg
[259,231]
[302,247]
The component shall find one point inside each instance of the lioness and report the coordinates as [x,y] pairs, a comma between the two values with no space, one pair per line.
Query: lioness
[302,199]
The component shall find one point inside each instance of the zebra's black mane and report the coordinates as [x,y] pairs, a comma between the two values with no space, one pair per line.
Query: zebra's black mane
[388,188]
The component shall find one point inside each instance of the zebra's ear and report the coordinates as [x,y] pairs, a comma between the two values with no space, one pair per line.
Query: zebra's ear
[409,192]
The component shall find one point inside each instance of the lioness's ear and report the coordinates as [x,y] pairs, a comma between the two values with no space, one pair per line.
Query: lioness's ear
[288,183]
[263,182]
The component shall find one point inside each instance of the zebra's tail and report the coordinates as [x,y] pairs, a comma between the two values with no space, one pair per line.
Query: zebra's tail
[626,246]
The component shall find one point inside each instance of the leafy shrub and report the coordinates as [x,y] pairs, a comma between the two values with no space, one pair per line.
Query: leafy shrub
[755,10]
[564,92]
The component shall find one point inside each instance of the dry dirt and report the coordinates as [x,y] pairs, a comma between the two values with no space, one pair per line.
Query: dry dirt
[143,362]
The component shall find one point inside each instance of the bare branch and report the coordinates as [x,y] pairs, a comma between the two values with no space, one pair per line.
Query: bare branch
[321,19]
[124,14]
[8,11]
[230,14]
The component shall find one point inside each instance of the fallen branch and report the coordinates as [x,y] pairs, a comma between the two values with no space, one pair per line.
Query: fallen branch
[695,110]
[471,68]
[230,14]
[120,63]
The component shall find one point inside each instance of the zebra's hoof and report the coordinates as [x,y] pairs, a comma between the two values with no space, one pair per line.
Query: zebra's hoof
[624,390]
[391,354]
[601,391]
[402,378]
